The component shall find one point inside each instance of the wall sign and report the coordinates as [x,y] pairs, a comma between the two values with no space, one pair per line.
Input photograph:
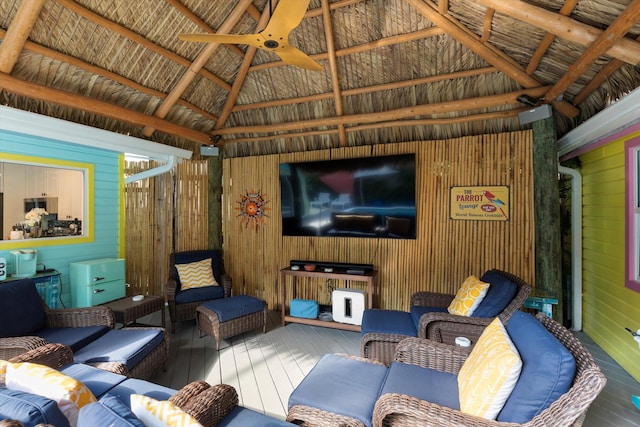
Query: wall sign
[480,203]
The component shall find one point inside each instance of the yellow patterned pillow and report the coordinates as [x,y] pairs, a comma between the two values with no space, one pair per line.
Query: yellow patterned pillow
[69,393]
[468,297]
[160,413]
[490,373]
[196,274]
[3,371]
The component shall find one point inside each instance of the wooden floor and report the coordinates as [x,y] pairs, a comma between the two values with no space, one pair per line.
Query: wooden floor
[265,368]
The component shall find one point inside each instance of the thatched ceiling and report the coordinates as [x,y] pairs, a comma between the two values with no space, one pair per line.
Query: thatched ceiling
[393,70]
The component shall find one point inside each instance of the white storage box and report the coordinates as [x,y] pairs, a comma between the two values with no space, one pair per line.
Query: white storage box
[348,305]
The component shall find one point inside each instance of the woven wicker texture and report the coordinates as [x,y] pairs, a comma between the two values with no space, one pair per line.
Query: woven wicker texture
[208,322]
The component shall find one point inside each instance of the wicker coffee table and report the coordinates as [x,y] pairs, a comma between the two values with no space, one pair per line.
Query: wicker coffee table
[126,310]
[227,317]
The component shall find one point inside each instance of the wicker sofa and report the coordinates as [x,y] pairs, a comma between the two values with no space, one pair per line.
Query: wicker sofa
[27,323]
[428,318]
[215,405]
[558,382]
[183,303]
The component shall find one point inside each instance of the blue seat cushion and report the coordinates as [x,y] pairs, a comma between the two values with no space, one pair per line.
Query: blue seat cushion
[109,411]
[417,311]
[548,369]
[96,380]
[21,311]
[243,417]
[426,384]
[330,387]
[76,337]
[388,322]
[234,307]
[501,292]
[199,294]
[129,346]
[30,409]
[125,389]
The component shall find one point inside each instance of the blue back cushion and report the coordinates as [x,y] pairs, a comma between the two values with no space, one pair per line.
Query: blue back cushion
[109,411]
[417,311]
[193,256]
[501,292]
[548,369]
[30,409]
[419,382]
[21,311]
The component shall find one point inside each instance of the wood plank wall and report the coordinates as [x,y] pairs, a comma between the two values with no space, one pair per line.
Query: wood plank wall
[445,251]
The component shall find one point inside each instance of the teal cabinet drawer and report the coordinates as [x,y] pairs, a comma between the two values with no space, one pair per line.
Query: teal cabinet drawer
[97,281]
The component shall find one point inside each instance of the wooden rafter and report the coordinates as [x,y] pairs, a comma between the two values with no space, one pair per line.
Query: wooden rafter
[17,34]
[242,74]
[368,89]
[197,65]
[488,19]
[488,52]
[397,114]
[125,32]
[624,49]
[333,69]
[602,44]
[14,85]
[94,69]
[544,45]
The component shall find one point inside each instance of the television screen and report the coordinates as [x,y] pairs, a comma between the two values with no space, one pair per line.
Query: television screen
[363,197]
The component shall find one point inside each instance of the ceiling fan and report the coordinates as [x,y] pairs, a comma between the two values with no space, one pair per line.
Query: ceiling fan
[274,38]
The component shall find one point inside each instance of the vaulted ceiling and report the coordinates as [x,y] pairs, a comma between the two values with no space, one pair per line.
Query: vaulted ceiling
[391,70]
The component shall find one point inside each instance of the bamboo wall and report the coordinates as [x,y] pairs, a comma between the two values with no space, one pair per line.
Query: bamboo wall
[445,251]
[156,210]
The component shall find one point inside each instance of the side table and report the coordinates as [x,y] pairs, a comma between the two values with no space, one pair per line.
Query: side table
[126,310]
[541,300]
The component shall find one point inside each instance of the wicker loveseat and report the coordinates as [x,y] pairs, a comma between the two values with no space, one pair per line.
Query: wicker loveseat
[215,405]
[558,382]
[428,318]
[183,303]
[27,323]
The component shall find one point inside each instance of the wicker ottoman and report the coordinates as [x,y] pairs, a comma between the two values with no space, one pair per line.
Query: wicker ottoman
[227,317]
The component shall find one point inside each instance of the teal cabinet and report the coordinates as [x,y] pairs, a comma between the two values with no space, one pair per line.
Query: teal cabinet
[97,281]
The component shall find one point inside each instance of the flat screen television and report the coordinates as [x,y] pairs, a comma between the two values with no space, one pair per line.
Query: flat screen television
[362,197]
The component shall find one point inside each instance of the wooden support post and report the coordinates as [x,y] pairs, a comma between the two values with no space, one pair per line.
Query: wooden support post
[215,202]
[546,200]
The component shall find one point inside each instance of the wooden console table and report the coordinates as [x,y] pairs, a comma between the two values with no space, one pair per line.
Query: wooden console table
[368,277]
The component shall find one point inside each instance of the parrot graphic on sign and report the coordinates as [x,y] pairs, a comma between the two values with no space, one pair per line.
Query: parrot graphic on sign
[493,199]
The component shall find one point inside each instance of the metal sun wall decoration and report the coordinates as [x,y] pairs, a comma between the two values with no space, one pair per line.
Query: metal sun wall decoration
[253,209]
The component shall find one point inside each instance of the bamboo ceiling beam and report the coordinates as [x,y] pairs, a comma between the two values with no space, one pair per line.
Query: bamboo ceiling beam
[443,7]
[488,20]
[488,52]
[17,34]
[386,41]
[602,44]
[606,71]
[197,65]
[333,69]
[38,92]
[200,23]
[397,114]
[62,57]
[392,124]
[242,74]
[367,89]
[544,45]
[624,49]
[335,5]
[125,32]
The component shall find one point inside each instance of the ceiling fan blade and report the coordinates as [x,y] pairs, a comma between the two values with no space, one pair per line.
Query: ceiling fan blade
[287,16]
[293,56]
[249,39]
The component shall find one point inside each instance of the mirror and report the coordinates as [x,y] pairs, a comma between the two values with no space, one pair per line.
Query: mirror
[44,201]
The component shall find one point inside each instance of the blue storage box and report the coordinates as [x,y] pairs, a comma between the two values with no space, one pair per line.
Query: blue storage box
[306,308]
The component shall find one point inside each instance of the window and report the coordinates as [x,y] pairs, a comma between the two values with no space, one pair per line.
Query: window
[632,160]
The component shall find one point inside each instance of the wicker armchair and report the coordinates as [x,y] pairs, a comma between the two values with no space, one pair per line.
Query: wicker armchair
[439,326]
[183,304]
[568,410]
